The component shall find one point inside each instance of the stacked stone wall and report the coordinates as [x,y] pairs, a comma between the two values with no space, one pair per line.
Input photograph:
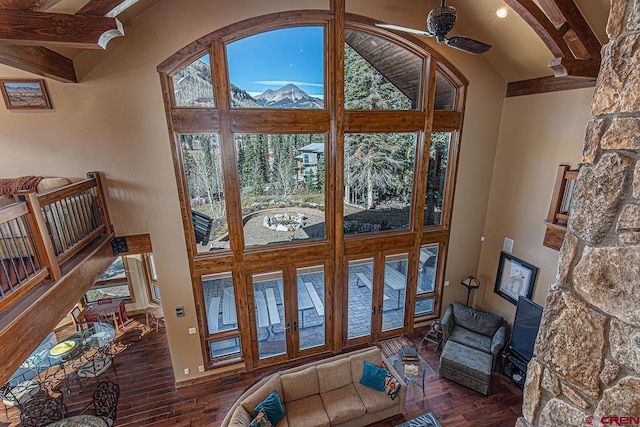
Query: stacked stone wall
[587,366]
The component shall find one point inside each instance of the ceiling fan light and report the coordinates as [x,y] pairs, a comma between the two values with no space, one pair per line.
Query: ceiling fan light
[502,12]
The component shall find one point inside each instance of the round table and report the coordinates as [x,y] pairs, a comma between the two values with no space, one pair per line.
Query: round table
[81,421]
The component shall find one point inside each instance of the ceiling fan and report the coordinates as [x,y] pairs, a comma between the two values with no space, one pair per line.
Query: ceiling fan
[440,22]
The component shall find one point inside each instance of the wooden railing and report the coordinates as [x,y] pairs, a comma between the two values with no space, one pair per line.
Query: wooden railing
[559,209]
[40,232]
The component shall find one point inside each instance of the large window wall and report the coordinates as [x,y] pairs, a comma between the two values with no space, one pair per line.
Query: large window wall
[315,169]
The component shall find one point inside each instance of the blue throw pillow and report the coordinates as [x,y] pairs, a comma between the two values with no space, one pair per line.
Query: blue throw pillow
[372,376]
[272,407]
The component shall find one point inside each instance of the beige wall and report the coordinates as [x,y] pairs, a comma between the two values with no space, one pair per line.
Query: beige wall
[537,133]
[114,121]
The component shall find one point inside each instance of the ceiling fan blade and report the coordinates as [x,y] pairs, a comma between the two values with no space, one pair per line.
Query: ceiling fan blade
[468,45]
[405,29]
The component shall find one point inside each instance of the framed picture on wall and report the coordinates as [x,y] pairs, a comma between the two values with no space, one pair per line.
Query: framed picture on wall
[515,278]
[23,94]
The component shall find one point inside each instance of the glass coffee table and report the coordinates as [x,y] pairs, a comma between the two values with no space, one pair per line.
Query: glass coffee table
[411,377]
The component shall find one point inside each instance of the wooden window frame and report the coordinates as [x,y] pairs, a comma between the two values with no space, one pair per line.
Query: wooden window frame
[336,249]
[111,282]
[151,281]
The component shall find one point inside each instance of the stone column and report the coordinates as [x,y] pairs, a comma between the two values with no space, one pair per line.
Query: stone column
[587,363]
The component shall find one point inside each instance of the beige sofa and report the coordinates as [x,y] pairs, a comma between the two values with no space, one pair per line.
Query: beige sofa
[323,393]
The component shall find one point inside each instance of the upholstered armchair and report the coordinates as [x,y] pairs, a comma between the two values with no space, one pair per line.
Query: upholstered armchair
[475,329]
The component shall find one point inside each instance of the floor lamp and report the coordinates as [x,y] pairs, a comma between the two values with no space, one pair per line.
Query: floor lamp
[470,283]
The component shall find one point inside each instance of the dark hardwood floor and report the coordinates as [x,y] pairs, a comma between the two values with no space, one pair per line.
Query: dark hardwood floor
[148,394]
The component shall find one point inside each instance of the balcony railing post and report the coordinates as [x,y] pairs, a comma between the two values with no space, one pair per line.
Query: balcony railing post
[41,237]
[102,203]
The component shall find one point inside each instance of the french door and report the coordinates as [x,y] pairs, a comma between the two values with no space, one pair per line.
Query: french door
[290,314]
[376,297]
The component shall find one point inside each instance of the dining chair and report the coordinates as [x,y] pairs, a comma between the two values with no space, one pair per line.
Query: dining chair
[105,402]
[75,316]
[41,411]
[96,364]
[19,390]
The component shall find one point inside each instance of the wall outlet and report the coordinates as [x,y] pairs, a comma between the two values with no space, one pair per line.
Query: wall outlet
[192,331]
[201,368]
[446,283]
[186,371]
[482,238]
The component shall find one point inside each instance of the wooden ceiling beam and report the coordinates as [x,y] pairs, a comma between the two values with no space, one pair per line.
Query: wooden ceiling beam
[561,11]
[39,28]
[547,84]
[579,68]
[110,8]
[541,24]
[39,60]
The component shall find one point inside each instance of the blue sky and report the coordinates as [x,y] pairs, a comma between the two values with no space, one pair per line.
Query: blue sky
[272,59]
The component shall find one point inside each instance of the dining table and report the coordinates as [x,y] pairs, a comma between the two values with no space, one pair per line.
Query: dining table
[72,350]
[113,309]
[80,421]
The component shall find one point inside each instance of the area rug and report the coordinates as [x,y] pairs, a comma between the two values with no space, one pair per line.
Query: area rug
[426,420]
[393,345]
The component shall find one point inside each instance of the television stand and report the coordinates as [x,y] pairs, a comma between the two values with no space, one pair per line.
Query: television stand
[516,369]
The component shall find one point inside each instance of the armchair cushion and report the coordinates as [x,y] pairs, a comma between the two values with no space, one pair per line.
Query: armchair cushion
[471,339]
[476,321]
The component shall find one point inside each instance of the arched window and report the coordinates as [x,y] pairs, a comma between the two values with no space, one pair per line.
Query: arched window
[316,178]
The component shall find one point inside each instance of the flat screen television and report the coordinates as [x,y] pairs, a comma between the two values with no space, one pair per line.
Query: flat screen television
[525,328]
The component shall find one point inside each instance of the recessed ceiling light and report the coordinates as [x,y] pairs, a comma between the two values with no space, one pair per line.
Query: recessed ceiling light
[502,12]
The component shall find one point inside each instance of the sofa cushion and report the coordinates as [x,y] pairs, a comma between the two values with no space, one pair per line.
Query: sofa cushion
[307,412]
[261,393]
[471,339]
[298,385]
[48,184]
[261,420]
[334,374]
[373,355]
[373,376]
[343,404]
[391,385]
[476,321]
[373,400]
[240,417]
[272,406]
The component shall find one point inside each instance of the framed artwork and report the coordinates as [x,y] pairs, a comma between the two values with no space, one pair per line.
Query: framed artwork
[515,278]
[24,94]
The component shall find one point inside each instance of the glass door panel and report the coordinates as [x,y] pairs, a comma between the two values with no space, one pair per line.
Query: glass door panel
[360,298]
[270,315]
[311,307]
[427,269]
[395,285]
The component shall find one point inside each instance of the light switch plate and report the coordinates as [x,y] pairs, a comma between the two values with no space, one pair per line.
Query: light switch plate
[186,371]
[201,368]
[192,331]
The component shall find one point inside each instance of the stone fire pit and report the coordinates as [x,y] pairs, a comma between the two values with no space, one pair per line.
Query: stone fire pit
[285,222]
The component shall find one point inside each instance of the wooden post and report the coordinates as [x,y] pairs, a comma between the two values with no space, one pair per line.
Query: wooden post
[558,192]
[40,232]
[102,202]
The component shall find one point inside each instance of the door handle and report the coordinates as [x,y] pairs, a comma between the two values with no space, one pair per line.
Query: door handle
[288,327]
[295,325]
[373,310]
[380,308]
